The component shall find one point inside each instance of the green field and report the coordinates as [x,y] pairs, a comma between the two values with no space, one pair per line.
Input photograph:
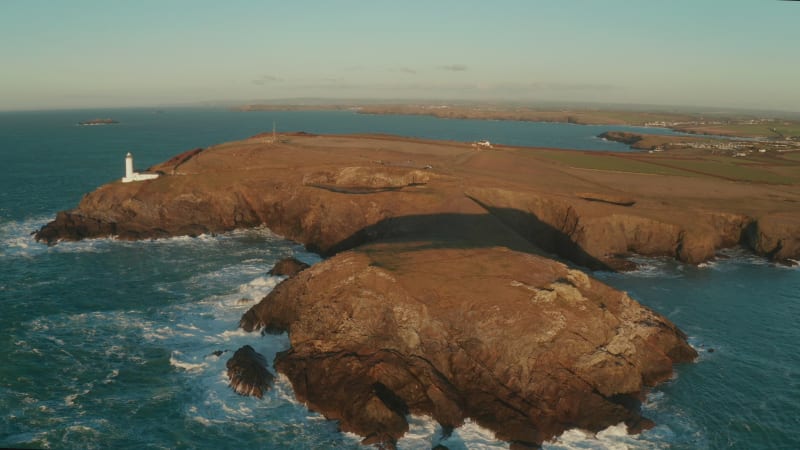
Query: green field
[766,129]
[637,118]
[602,161]
[737,171]
[728,168]
[792,156]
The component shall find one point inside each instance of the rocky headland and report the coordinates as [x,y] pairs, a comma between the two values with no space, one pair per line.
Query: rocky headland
[521,344]
[445,291]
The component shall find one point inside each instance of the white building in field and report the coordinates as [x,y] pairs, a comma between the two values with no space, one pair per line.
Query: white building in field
[130,175]
[482,144]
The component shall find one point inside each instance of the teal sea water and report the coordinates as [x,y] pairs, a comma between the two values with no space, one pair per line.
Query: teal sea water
[109,344]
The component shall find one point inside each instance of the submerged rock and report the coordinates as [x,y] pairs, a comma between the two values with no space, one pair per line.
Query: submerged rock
[247,372]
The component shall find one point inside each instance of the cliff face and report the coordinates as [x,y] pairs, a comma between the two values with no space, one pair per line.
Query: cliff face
[594,236]
[439,297]
[330,217]
[326,217]
[775,236]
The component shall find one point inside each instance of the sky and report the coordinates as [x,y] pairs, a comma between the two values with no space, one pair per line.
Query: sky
[702,53]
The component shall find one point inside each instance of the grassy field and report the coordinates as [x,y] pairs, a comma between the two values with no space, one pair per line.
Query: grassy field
[767,129]
[735,171]
[605,161]
[767,171]
[631,117]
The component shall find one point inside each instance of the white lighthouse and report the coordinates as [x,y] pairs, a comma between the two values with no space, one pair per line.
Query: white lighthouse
[130,175]
[128,166]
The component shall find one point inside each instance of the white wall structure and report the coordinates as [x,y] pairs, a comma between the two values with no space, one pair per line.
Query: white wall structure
[131,176]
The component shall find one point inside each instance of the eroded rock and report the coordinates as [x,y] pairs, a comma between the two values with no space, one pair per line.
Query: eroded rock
[521,344]
[288,267]
[247,372]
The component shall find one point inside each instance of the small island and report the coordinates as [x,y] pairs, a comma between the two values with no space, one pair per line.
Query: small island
[93,122]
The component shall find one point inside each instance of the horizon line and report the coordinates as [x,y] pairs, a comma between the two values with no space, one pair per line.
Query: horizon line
[355,101]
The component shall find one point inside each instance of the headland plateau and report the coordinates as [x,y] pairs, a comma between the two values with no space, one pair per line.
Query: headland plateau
[454,283]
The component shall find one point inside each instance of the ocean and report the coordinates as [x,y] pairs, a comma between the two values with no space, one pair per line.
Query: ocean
[111,344]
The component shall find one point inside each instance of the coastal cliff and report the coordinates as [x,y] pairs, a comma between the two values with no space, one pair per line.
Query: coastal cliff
[441,294]
[335,206]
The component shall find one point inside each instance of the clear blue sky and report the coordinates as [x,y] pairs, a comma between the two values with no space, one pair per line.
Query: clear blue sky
[82,53]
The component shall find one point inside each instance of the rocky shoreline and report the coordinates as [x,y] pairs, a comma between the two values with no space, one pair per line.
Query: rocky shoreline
[442,293]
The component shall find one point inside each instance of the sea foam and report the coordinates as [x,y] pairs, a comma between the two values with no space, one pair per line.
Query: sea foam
[425,432]
[16,239]
[190,367]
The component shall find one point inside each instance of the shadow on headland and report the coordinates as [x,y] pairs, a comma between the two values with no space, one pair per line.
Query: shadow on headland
[500,227]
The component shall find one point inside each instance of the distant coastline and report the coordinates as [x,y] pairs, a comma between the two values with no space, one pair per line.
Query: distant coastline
[738,125]
[702,144]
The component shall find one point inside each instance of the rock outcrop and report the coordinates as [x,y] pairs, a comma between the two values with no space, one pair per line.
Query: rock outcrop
[523,345]
[288,267]
[248,373]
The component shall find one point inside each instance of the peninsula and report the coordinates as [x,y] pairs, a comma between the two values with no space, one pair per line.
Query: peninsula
[446,290]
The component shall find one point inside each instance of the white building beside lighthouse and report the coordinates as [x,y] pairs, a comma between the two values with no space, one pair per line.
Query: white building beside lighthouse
[130,175]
